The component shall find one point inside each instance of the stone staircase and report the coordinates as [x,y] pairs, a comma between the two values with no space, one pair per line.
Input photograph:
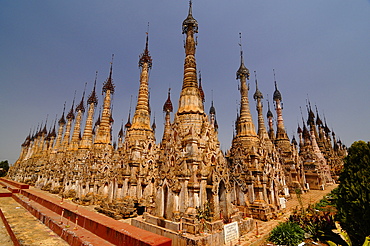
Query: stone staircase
[34,218]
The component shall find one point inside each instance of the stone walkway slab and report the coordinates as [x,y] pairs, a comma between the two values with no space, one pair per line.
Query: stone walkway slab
[27,229]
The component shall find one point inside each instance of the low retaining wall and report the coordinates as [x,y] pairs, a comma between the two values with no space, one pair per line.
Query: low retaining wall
[15,184]
[180,239]
[54,224]
[9,229]
[113,231]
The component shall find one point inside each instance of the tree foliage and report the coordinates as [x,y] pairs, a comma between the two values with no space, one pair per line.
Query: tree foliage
[353,201]
[4,167]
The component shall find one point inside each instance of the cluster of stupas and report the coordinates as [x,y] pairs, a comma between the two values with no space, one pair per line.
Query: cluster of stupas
[186,174]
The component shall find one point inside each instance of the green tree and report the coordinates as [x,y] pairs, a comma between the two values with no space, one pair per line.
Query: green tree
[4,167]
[353,201]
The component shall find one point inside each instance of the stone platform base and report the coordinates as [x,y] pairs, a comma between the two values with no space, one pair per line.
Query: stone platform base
[186,239]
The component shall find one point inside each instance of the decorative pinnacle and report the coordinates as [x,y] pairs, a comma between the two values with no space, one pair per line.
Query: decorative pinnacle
[120,133]
[128,124]
[44,131]
[242,71]
[311,115]
[212,110]
[53,133]
[200,87]
[145,57]
[93,98]
[190,21]
[108,85]
[81,106]
[97,123]
[277,94]
[167,107]
[269,113]
[154,126]
[70,115]
[318,120]
[62,121]
[258,93]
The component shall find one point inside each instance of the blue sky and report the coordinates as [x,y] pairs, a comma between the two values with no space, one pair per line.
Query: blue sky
[320,50]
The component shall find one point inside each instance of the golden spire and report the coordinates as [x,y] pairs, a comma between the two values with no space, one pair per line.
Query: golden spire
[262,132]
[167,108]
[103,134]
[280,129]
[190,98]
[141,119]
[92,101]
[80,109]
[245,123]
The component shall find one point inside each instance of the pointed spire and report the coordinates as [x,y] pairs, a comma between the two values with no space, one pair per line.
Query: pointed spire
[141,117]
[305,132]
[93,97]
[190,97]
[318,120]
[262,132]
[81,106]
[154,126]
[311,115]
[282,140]
[326,128]
[258,94]
[200,87]
[269,113]
[213,120]
[62,121]
[244,125]
[277,94]
[167,107]
[299,129]
[294,142]
[242,71]
[47,138]
[212,109]
[190,21]
[39,130]
[71,115]
[128,124]
[145,57]
[53,132]
[44,131]
[120,133]
[108,84]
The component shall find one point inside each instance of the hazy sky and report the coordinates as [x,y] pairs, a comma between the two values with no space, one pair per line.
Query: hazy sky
[320,50]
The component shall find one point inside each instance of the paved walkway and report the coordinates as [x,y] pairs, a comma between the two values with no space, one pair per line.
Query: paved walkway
[27,229]
[260,233]
[5,239]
